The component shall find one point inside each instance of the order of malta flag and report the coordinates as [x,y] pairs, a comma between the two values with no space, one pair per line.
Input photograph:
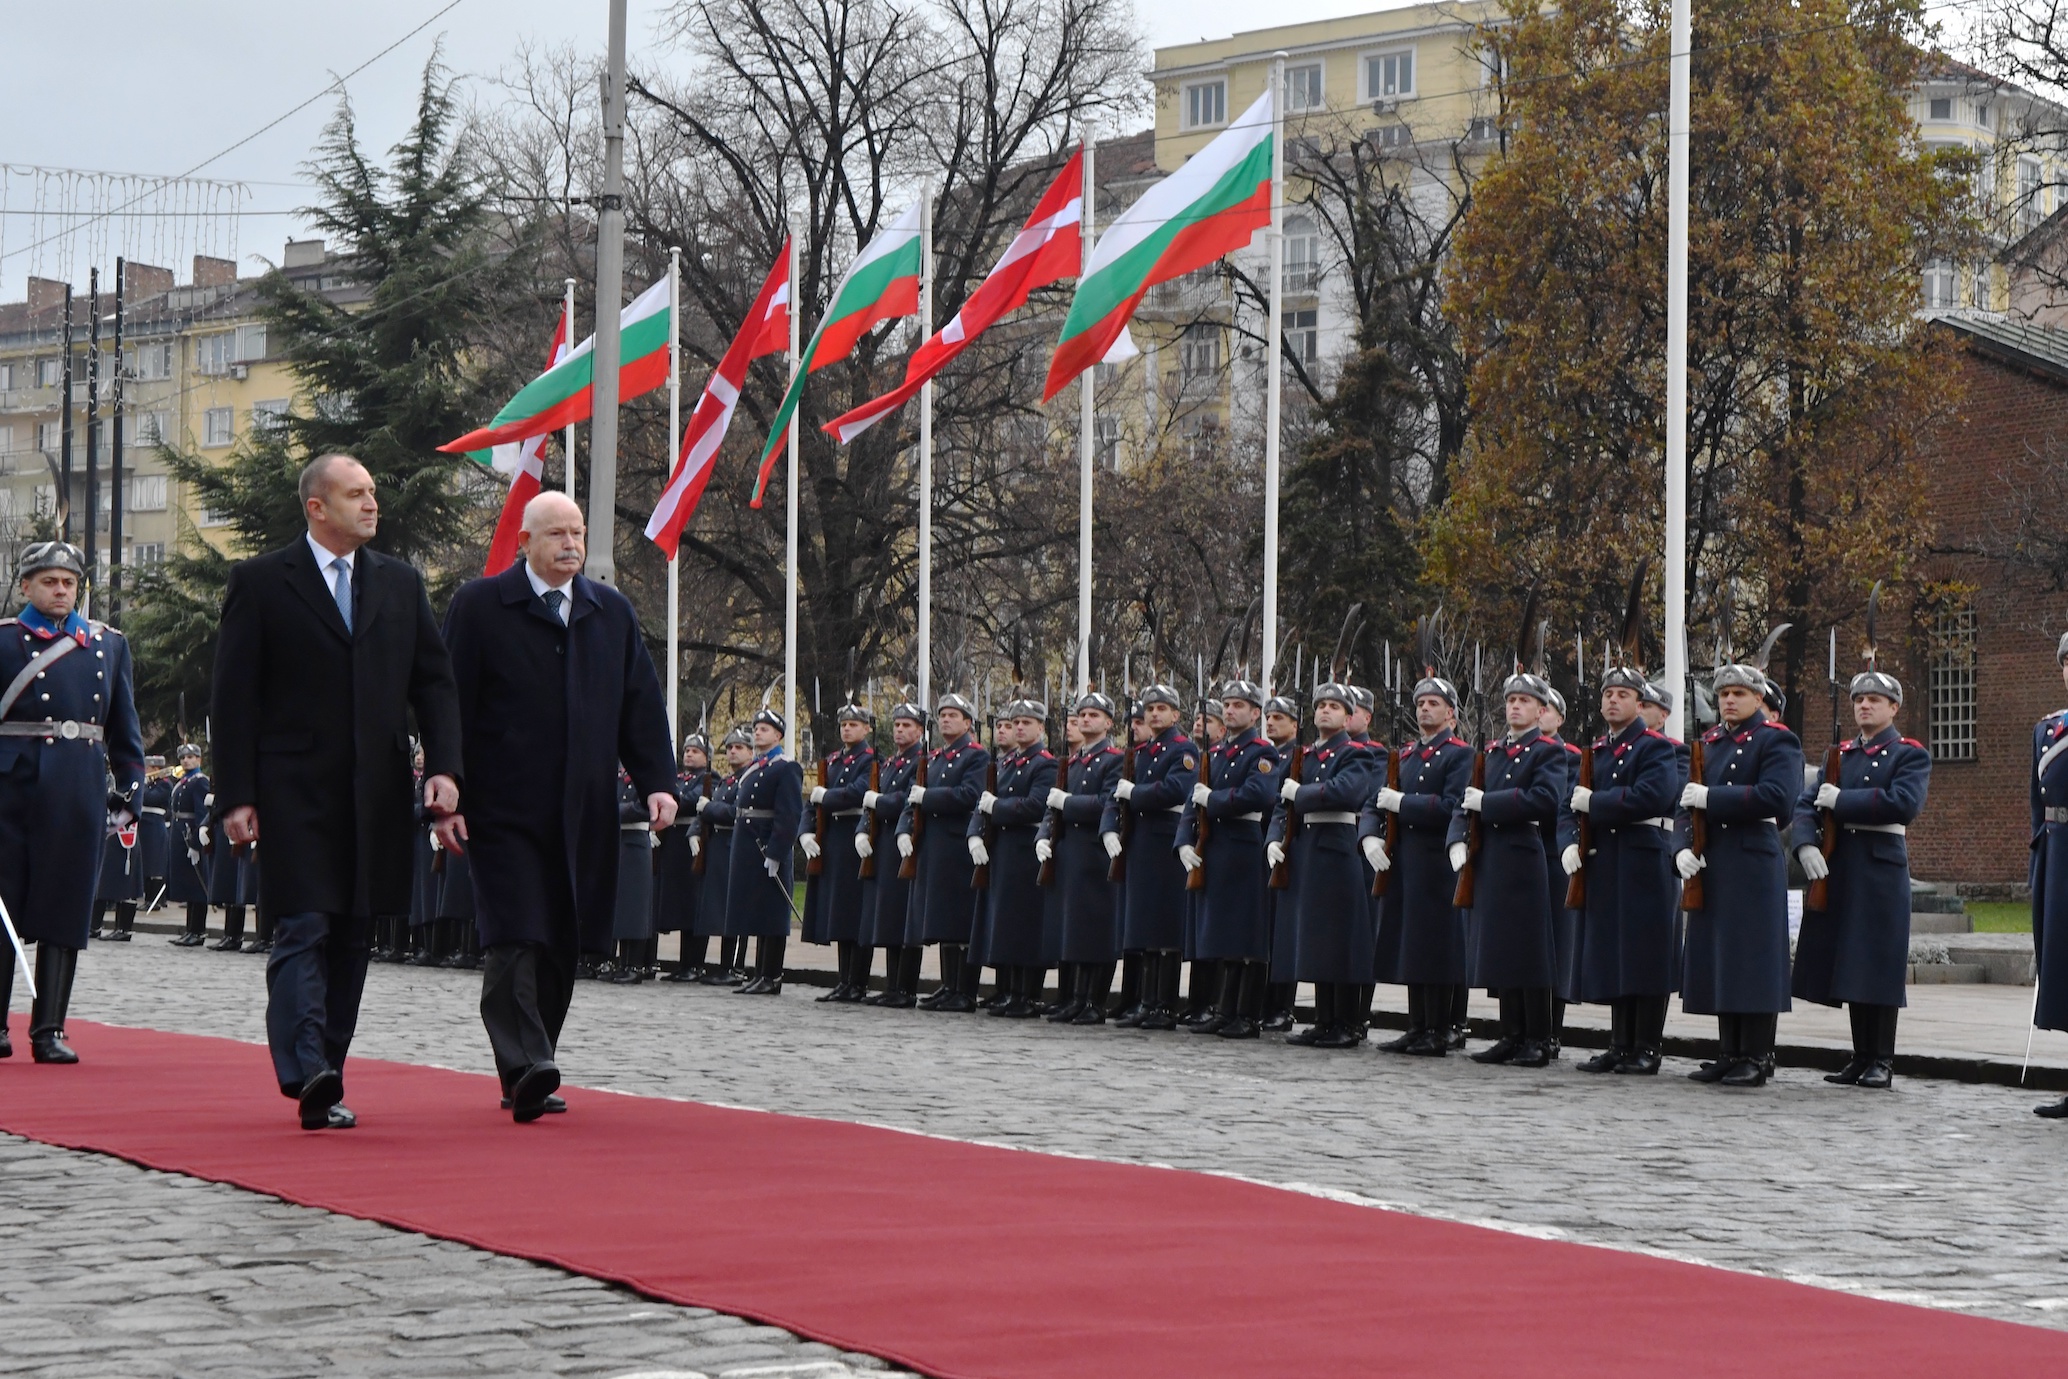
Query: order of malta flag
[1206,210]
[766,330]
[565,393]
[881,285]
[1047,248]
[521,461]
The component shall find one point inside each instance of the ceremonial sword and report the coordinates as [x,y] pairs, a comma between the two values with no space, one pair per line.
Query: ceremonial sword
[21,958]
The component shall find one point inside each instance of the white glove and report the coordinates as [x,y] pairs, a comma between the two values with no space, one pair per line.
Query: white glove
[773,868]
[654,839]
[818,794]
[1043,850]
[1583,799]
[862,846]
[810,843]
[904,845]
[1687,864]
[985,801]
[1570,859]
[696,845]
[1475,800]
[436,846]
[1200,792]
[1375,853]
[1112,842]
[1459,856]
[917,794]
[702,803]
[193,858]
[1288,790]
[204,835]
[1124,789]
[869,798]
[978,853]
[1057,798]
[1274,853]
[1813,864]
[1388,799]
[1189,855]
[1827,796]
[1696,796]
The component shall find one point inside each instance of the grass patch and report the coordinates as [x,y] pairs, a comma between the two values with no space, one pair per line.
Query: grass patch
[2000,916]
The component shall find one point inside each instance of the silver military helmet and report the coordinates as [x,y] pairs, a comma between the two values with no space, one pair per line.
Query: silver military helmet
[1362,698]
[910,712]
[1535,686]
[1438,686]
[1092,699]
[737,738]
[1248,691]
[1282,703]
[1877,682]
[1557,700]
[1159,694]
[1739,676]
[698,741]
[1336,694]
[51,555]
[1027,707]
[1214,709]
[1654,694]
[957,702]
[851,712]
[186,749]
[773,719]
[1625,677]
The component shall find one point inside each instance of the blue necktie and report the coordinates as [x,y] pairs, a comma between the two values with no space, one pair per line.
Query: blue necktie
[341,589]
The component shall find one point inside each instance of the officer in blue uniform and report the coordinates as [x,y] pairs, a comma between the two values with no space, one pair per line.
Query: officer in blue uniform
[121,882]
[1515,948]
[711,846]
[1856,950]
[1421,943]
[232,880]
[1736,963]
[1314,832]
[1364,707]
[1234,794]
[1629,939]
[1282,731]
[943,904]
[1001,836]
[833,898]
[153,828]
[885,894]
[68,727]
[675,882]
[2049,873]
[769,814]
[1069,837]
[1003,740]
[632,921]
[1152,922]
[1565,923]
[1203,974]
[183,879]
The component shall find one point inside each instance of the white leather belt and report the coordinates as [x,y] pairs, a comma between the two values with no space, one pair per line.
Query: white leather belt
[721,828]
[755,813]
[51,728]
[1253,818]
[2057,814]
[1875,828]
[635,828]
[148,809]
[1663,825]
[847,813]
[1329,816]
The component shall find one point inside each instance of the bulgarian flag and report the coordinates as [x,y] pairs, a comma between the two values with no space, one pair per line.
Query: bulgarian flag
[564,393]
[1204,211]
[766,330]
[526,471]
[881,285]
[1045,249]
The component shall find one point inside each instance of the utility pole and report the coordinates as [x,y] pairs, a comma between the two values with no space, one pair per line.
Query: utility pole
[64,428]
[1679,77]
[114,610]
[93,436]
[610,293]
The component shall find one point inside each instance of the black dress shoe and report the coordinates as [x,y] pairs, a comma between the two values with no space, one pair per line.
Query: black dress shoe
[226,944]
[1456,1041]
[1157,1019]
[1643,1063]
[624,976]
[1019,1008]
[1850,1073]
[186,939]
[1713,1072]
[528,1096]
[1603,1062]
[680,974]
[956,1003]
[1746,1072]
[839,992]
[1277,1022]
[422,957]
[322,1091]
[2053,1110]
[899,1000]
[1502,1050]
[713,976]
[1400,1044]
[50,1047]
[1341,1037]
[1066,1012]
[554,1105]
[1432,1044]
[1131,1018]
[1212,1024]
[853,996]
[1193,1019]
[1531,1053]
[762,986]
[6,1044]
[263,945]
[1095,1014]
[1310,1037]
[117,936]
[1238,1027]
[1880,1075]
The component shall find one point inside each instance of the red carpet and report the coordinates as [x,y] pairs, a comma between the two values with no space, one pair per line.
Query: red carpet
[958,1260]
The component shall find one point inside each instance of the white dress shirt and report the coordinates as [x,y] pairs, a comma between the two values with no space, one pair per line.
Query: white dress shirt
[539,587]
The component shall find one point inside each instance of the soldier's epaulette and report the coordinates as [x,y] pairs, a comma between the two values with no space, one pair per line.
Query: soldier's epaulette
[1654,732]
[1110,750]
[1573,747]
[1913,742]
[1047,755]
[1773,723]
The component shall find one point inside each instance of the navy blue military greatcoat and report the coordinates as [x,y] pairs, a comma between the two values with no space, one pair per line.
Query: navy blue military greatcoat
[1090,901]
[1629,943]
[833,898]
[1244,773]
[54,788]
[717,853]
[769,812]
[154,826]
[1565,923]
[122,867]
[2050,869]
[1421,936]
[1514,941]
[1015,907]
[1858,947]
[633,918]
[1153,895]
[943,905]
[675,883]
[184,877]
[886,896]
[1334,933]
[1736,959]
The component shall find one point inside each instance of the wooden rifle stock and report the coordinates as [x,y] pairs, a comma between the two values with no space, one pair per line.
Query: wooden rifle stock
[909,868]
[980,879]
[1281,875]
[868,870]
[1576,884]
[1468,884]
[817,865]
[1819,896]
[696,866]
[1693,895]
[1202,828]
[1116,870]
[1380,878]
[1053,820]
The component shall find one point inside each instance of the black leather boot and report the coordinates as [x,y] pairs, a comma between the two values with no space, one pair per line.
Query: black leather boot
[262,934]
[54,969]
[1510,1042]
[1861,1018]
[1649,1014]
[6,997]
[232,940]
[1880,1074]
[196,932]
[843,963]
[1278,1006]
[1201,994]
[1005,991]
[1129,1012]
[1071,981]
[1417,1023]
[1460,1023]
[1324,1018]
[858,975]
[125,922]
[1755,1061]
[1621,1016]
[1249,1002]
[1097,978]
[1160,991]
[1227,998]
[768,966]
[1536,1050]
[1028,1004]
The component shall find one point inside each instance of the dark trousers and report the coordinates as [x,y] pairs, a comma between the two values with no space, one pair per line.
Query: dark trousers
[315,976]
[525,991]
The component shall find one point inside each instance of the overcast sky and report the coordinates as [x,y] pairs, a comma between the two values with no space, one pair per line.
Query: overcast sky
[173,83]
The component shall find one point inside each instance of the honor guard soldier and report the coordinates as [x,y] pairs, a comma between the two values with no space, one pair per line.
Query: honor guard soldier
[1856,948]
[1070,844]
[769,813]
[675,879]
[1282,731]
[1364,707]
[1233,796]
[1421,944]
[1514,937]
[1003,744]
[2050,873]
[1629,941]
[68,727]
[153,829]
[1314,836]
[833,898]
[230,881]
[1013,907]
[184,877]
[122,880]
[632,922]
[934,833]
[717,815]
[1565,922]
[1736,965]
[1655,703]
[886,895]
[1144,811]
[1202,983]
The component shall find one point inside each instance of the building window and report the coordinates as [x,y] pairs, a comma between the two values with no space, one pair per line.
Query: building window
[49,436]
[150,428]
[218,426]
[1201,438]
[251,344]
[1105,441]
[1199,351]
[268,415]
[214,354]
[1303,88]
[1480,130]
[1952,684]
[1941,287]
[6,378]
[1389,76]
[1941,108]
[2031,196]
[147,493]
[49,373]
[1302,255]
[1982,113]
[147,553]
[1206,104]
[1392,136]
[151,362]
[1303,335]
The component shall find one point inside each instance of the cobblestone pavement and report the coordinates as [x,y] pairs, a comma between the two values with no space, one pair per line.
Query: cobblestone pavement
[1938,1193]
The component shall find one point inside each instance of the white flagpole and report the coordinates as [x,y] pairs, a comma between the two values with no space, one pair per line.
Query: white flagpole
[926,454]
[1679,79]
[1087,423]
[1276,246]
[790,536]
[674,449]
[567,448]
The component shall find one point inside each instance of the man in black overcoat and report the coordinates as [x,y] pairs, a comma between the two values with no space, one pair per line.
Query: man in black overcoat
[555,690]
[323,651]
